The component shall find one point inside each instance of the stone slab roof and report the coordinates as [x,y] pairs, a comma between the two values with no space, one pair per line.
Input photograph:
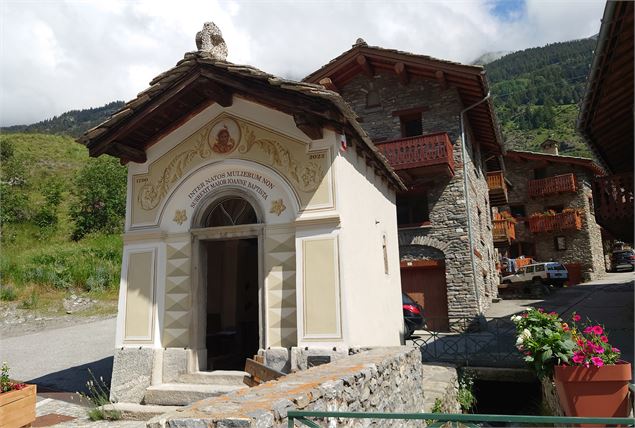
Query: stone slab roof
[110,136]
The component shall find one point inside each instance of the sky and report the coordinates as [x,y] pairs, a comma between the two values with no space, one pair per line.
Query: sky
[59,55]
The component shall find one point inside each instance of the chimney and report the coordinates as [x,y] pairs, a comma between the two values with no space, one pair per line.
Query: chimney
[550,147]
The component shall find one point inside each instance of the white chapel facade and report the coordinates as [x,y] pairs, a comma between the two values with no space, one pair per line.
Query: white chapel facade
[259,217]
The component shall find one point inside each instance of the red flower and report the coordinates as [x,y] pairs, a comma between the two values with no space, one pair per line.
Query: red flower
[597,330]
[576,317]
[604,339]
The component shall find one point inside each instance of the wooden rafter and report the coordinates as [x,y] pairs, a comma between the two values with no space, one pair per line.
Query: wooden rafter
[440,76]
[308,125]
[328,84]
[402,73]
[364,64]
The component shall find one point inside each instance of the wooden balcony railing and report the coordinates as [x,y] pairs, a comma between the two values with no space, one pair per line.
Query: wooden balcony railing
[497,188]
[504,229]
[552,185]
[571,220]
[613,204]
[421,151]
[495,180]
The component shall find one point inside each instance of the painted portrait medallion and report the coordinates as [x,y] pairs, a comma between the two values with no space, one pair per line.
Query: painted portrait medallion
[224,136]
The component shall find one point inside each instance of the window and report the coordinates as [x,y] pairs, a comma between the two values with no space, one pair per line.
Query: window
[372,98]
[517,211]
[529,269]
[540,268]
[560,243]
[230,212]
[540,173]
[384,248]
[591,206]
[411,125]
[412,210]
[555,208]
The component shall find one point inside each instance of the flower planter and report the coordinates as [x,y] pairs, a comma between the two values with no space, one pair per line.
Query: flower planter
[593,391]
[17,407]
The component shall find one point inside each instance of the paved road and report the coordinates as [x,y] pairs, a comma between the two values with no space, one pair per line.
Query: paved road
[59,359]
[608,301]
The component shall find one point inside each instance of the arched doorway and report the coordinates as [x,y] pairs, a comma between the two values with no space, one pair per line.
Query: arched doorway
[423,279]
[228,243]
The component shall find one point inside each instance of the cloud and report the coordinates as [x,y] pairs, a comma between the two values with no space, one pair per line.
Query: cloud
[62,55]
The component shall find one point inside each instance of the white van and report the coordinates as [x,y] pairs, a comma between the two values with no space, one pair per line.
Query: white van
[548,273]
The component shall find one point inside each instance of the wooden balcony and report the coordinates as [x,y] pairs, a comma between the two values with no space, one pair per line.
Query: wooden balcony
[552,185]
[504,230]
[421,156]
[497,188]
[571,220]
[613,200]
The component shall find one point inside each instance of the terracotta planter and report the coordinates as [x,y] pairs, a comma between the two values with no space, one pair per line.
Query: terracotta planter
[17,408]
[593,391]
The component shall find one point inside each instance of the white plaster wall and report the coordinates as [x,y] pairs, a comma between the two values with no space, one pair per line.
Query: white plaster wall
[371,299]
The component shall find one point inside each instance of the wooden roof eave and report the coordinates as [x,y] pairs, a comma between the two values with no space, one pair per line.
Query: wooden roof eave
[332,111]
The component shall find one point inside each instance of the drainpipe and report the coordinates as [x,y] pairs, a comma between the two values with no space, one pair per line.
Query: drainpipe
[466,191]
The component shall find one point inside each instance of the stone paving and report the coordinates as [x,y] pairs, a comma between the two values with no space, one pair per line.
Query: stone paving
[53,406]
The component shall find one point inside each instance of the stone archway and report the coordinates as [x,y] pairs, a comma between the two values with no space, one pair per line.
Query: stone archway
[423,279]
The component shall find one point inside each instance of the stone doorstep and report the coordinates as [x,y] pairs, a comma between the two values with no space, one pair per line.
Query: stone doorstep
[139,412]
[182,394]
[216,377]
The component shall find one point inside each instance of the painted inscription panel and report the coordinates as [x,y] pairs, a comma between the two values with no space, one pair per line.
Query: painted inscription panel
[228,137]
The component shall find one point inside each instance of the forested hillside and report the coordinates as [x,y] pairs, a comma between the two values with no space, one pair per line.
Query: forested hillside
[73,123]
[536,94]
[61,215]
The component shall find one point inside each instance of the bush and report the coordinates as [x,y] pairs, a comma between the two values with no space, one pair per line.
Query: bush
[100,197]
[7,293]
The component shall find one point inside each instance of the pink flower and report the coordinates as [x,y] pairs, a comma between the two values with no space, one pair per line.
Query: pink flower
[553,313]
[614,349]
[604,339]
[576,317]
[588,330]
[541,310]
[598,349]
[597,361]
[597,329]
[578,358]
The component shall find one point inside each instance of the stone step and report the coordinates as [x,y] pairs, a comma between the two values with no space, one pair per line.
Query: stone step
[182,394]
[217,377]
[139,412]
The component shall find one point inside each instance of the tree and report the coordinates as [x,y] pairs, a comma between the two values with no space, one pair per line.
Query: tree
[99,197]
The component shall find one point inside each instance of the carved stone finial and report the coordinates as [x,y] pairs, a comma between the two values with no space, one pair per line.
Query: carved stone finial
[360,41]
[210,39]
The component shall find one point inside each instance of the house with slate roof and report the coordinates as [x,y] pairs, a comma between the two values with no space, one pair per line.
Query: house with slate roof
[434,122]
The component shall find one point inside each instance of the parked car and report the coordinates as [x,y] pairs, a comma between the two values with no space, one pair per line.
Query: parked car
[539,274]
[412,315]
[623,260]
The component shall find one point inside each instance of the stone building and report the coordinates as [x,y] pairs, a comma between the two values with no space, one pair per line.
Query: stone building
[550,212]
[433,121]
[260,219]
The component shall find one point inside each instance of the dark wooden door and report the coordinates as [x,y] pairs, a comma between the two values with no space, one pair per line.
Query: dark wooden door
[426,285]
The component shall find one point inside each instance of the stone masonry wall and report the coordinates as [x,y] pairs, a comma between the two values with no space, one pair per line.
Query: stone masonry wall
[448,230]
[583,246]
[379,380]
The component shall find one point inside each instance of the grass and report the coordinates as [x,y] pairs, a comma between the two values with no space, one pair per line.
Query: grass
[56,266]
[39,266]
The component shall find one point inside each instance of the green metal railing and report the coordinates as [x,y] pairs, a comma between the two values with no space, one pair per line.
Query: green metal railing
[453,420]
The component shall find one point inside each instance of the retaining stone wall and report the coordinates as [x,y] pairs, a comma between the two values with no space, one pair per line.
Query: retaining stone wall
[379,380]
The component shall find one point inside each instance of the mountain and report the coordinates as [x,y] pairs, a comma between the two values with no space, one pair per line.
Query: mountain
[73,123]
[536,94]
[488,57]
